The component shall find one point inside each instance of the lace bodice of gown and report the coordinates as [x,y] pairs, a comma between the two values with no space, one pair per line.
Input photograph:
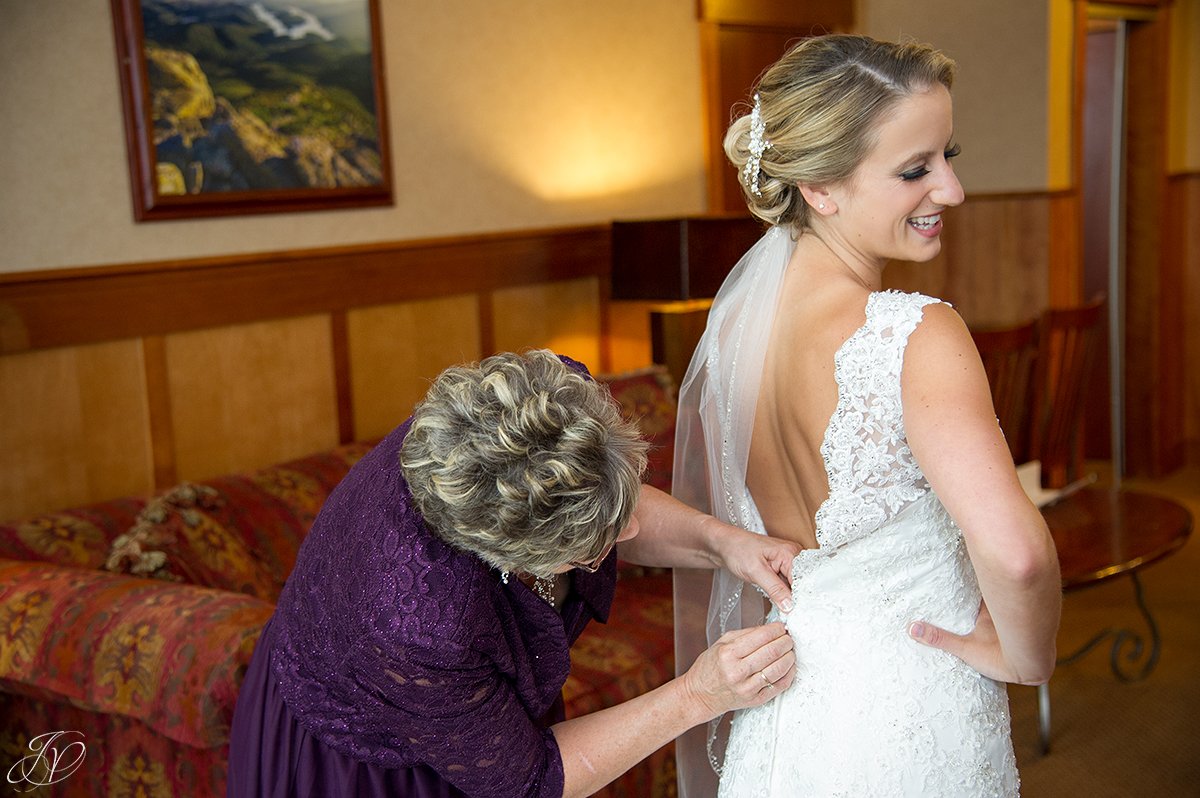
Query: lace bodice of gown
[872,474]
[871,712]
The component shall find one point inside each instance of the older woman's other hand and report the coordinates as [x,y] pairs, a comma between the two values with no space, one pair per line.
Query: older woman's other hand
[744,668]
[765,562]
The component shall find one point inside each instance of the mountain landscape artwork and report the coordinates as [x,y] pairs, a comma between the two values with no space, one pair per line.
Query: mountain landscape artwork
[256,106]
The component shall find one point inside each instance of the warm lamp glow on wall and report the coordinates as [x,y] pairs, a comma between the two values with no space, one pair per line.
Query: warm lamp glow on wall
[596,162]
[565,147]
[681,262]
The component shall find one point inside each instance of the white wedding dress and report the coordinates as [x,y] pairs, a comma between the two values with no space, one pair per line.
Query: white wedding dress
[872,712]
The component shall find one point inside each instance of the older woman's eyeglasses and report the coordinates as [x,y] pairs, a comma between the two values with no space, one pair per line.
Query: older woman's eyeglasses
[594,565]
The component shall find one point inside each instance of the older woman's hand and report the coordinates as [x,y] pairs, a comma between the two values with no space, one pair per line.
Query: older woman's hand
[744,668]
[763,561]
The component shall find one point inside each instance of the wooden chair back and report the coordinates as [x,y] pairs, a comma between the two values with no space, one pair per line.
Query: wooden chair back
[1008,358]
[1067,342]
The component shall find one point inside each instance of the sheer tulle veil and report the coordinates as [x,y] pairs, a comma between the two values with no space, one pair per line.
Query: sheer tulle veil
[716,419]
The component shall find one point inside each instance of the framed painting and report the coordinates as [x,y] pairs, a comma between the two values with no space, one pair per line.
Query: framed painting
[235,107]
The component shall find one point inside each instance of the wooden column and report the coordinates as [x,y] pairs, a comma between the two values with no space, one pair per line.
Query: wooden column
[739,39]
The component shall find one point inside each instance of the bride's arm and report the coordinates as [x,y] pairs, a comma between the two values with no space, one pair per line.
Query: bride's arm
[952,431]
[675,535]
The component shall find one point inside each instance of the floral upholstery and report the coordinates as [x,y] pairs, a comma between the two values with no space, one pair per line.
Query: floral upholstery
[167,655]
[80,537]
[124,756]
[647,397]
[239,532]
[132,622]
[633,653]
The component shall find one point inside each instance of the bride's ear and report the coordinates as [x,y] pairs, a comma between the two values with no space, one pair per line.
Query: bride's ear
[818,198]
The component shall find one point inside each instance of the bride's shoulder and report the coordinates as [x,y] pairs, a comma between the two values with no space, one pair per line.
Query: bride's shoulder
[940,347]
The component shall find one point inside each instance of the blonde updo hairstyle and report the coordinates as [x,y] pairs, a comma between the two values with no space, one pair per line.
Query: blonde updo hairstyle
[821,105]
[524,462]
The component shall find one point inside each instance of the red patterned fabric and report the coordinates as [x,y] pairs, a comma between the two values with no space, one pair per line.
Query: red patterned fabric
[647,397]
[171,656]
[239,532]
[631,654]
[80,537]
[124,759]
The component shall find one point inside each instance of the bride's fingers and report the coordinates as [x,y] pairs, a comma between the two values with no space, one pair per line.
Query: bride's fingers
[936,637]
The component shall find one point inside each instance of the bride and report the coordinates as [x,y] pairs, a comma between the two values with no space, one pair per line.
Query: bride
[858,423]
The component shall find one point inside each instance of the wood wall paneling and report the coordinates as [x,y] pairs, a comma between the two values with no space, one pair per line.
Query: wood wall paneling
[1184,199]
[247,396]
[75,306]
[75,426]
[1153,286]
[227,364]
[562,316]
[994,262]
[242,393]
[158,397]
[396,350]
[830,14]
[629,334]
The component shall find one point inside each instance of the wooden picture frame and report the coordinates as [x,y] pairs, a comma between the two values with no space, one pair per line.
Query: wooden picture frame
[252,107]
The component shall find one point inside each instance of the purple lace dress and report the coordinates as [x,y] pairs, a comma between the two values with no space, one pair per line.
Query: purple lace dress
[395,665]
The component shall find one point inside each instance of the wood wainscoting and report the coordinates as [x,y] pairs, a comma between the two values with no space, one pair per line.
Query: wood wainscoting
[121,380]
[996,259]
[1183,203]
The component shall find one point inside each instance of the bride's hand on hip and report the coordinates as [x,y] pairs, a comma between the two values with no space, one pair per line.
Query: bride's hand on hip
[744,668]
[979,648]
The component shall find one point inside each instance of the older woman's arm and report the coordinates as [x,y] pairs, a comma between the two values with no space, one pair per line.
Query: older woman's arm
[677,536]
[450,707]
[744,668]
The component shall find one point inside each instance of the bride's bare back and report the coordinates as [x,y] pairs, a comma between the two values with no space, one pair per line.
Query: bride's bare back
[819,308]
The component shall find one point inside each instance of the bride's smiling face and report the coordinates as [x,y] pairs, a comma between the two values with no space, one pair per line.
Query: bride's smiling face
[891,208]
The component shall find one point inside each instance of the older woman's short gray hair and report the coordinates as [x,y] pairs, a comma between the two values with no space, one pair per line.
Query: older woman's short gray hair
[523,461]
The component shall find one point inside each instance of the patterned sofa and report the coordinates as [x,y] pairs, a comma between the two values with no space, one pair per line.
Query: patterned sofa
[126,626]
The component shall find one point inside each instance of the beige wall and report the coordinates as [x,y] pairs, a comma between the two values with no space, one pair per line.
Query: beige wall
[509,116]
[503,116]
[1000,89]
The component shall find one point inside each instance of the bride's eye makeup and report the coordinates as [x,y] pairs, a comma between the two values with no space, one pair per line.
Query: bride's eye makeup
[917,173]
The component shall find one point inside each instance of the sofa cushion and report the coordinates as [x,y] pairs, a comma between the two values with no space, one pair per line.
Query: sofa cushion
[125,757]
[171,656]
[238,532]
[633,653]
[80,537]
[630,654]
[647,397]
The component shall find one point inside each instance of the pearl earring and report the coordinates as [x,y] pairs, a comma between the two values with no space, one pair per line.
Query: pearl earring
[821,206]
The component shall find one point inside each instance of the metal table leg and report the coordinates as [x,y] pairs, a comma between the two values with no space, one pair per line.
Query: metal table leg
[1126,668]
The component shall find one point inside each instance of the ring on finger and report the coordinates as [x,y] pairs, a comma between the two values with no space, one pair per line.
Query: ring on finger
[763,674]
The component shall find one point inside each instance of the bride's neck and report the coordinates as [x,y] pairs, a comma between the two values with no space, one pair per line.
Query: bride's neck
[825,259]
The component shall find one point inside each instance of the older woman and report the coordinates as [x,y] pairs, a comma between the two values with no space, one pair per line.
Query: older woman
[421,643]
